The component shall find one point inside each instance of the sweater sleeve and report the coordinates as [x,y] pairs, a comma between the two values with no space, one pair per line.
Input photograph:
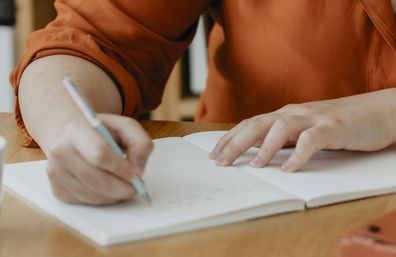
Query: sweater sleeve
[136,42]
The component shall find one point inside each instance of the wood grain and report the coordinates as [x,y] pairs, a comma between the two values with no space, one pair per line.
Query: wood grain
[27,231]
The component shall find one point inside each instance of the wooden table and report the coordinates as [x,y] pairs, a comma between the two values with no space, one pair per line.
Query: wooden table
[27,231]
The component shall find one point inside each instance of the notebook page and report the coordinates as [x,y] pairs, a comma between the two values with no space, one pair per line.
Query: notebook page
[329,177]
[334,176]
[205,140]
[184,185]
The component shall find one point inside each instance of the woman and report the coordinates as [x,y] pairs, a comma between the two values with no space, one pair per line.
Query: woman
[317,74]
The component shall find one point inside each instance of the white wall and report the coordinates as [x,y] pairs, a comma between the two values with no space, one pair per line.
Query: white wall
[6,64]
[198,63]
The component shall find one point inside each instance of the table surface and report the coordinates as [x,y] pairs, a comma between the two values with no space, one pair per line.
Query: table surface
[27,231]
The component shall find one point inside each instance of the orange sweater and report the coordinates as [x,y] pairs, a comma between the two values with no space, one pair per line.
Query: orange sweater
[262,54]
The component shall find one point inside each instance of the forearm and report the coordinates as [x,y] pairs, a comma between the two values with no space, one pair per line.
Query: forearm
[379,107]
[46,106]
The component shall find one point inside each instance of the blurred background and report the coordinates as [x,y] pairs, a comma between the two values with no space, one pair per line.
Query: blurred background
[18,18]
[7,53]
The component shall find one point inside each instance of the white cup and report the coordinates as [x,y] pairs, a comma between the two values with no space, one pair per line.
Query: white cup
[2,156]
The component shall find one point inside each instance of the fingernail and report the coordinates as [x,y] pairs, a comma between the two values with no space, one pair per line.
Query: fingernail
[256,163]
[287,166]
[214,153]
[220,160]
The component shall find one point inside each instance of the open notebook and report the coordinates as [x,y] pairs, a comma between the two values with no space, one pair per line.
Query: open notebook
[190,192]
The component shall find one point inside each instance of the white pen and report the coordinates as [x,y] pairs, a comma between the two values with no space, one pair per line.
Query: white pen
[96,123]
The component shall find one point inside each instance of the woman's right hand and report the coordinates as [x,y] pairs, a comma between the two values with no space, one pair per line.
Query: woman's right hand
[82,168]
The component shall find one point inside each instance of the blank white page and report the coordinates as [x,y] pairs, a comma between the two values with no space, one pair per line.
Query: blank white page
[329,177]
[184,185]
[334,176]
[205,140]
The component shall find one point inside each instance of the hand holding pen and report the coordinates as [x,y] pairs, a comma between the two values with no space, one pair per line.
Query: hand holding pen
[84,168]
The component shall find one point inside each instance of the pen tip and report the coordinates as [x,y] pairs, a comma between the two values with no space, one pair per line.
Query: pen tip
[147,198]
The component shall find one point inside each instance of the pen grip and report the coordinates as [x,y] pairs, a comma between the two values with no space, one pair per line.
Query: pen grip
[105,133]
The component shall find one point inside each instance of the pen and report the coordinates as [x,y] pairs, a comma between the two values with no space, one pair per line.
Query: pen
[97,124]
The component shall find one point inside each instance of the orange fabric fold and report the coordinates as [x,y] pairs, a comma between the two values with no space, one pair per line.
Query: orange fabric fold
[128,40]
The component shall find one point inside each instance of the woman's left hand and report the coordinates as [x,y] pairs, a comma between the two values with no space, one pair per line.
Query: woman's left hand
[364,122]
